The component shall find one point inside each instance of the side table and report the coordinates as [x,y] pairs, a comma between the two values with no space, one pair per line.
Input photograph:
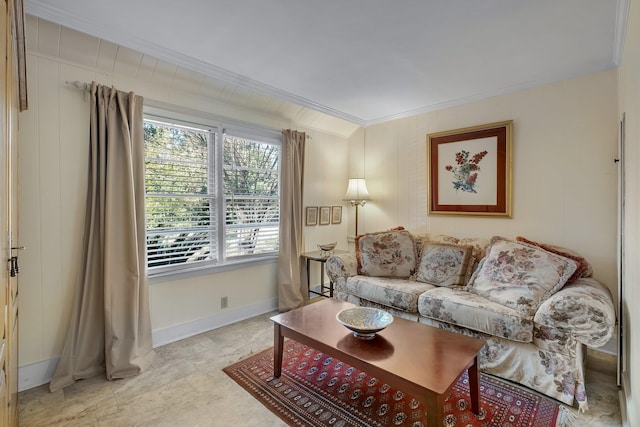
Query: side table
[321,257]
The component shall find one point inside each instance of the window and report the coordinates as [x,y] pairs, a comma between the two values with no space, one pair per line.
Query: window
[212,196]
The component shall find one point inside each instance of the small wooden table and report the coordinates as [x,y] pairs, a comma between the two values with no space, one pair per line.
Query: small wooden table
[420,360]
[321,257]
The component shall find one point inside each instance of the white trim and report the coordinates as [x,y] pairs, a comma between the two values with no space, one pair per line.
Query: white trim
[40,373]
[622,16]
[170,112]
[36,374]
[622,396]
[42,10]
[485,95]
[199,270]
[611,347]
[174,333]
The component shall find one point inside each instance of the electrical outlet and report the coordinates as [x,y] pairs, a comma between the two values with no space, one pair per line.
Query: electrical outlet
[224,302]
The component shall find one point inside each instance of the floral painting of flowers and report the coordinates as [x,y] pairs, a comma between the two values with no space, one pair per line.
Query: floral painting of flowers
[469,170]
[465,171]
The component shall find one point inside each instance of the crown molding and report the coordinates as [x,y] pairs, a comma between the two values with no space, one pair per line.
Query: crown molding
[622,16]
[40,9]
[485,95]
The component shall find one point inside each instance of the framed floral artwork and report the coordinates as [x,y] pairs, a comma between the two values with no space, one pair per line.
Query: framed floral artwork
[325,215]
[311,215]
[470,170]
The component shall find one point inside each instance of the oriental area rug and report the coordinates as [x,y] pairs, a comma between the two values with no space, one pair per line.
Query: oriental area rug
[318,390]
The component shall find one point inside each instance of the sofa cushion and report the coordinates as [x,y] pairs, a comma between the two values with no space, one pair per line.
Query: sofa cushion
[478,244]
[444,264]
[462,308]
[423,239]
[584,268]
[386,254]
[391,292]
[519,275]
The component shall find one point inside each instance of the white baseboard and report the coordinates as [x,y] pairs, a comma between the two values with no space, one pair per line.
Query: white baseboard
[39,373]
[36,374]
[622,395]
[611,347]
[228,316]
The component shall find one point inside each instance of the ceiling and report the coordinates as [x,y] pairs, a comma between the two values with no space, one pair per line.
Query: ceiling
[364,61]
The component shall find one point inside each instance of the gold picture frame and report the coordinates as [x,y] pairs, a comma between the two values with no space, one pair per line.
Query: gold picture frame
[469,170]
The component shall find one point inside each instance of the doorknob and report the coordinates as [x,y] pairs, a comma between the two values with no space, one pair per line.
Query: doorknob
[13,266]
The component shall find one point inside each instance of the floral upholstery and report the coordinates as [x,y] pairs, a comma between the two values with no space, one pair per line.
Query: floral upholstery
[424,239]
[472,311]
[541,349]
[553,339]
[392,292]
[386,254]
[478,244]
[557,375]
[583,265]
[519,275]
[340,267]
[443,264]
[590,320]
[479,251]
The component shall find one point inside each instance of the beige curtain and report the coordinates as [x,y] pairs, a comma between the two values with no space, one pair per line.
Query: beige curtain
[110,329]
[292,290]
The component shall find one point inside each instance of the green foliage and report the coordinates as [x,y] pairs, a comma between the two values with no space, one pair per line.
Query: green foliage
[181,196]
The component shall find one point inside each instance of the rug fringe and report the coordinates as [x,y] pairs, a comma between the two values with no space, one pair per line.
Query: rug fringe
[566,417]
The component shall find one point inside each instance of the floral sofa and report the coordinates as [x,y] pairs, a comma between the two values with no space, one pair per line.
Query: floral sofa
[535,305]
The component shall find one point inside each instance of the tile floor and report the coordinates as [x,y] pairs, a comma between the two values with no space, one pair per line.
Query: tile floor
[186,387]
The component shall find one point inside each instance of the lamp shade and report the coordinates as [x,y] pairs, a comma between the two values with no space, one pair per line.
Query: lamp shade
[356,190]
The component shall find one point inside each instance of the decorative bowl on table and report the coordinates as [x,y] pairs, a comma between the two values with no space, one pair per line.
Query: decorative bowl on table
[365,322]
[327,248]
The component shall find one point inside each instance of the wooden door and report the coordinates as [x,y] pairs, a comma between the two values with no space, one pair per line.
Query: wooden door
[5,248]
[9,243]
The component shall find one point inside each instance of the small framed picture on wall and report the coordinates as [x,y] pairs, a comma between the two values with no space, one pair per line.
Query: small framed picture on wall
[311,215]
[336,214]
[325,215]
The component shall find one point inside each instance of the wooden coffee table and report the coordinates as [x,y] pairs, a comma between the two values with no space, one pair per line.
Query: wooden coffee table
[420,360]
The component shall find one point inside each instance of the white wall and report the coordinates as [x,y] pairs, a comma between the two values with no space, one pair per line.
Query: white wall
[564,176]
[629,103]
[53,169]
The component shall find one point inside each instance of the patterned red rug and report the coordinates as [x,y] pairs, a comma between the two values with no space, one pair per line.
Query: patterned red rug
[318,390]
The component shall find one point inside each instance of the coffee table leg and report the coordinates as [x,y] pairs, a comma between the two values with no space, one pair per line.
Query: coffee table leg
[278,343]
[474,386]
[435,410]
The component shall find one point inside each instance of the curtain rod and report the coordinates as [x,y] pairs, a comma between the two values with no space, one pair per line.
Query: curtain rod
[307,136]
[78,85]
[86,87]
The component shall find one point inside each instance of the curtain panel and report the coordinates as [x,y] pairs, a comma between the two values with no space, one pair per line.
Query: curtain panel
[291,270]
[110,329]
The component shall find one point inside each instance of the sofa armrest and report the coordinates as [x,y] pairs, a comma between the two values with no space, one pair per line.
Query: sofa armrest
[583,309]
[339,268]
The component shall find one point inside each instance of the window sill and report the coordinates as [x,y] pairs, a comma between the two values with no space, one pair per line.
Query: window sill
[184,273]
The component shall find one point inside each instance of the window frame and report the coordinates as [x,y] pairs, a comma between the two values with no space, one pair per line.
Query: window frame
[218,127]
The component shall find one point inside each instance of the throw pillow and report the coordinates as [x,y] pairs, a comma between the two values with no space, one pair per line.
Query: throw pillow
[584,268]
[386,254]
[423,239]
[519,275]
[444,264]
